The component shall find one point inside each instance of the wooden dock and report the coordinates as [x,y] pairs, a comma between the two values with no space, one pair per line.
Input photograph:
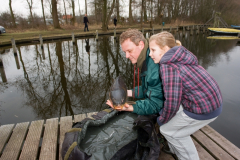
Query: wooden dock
[43,139]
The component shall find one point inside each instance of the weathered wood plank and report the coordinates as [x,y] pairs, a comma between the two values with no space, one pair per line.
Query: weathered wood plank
[79,117]
[49,143]
[13,147]
[202,153]
[211,146]
[65,125]
[222,141]
[5,132]
[31,145]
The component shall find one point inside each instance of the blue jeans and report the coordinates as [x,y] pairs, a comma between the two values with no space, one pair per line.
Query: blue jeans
[86,26]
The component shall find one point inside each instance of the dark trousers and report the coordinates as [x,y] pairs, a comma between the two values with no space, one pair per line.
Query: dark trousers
[86,26]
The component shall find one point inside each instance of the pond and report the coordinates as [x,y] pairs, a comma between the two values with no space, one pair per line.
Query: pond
[65,79]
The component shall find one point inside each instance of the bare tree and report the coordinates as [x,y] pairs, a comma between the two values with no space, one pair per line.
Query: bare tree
[130,12]
[43,14]
[105,17]
[12,15]
[85,6]
[73,10]
[117,6]
[64,5]
[55,14]
[30,5]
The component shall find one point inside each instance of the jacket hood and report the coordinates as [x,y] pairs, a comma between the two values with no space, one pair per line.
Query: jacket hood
[179,54]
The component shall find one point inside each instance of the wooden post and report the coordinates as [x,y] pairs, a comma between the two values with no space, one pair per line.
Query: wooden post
[193,27]
[114,33]
[183,31]
[177,28]
[14,46]
[142,30]
[188,28]
[41,41]
[197,30]
[73,38]
[96,35]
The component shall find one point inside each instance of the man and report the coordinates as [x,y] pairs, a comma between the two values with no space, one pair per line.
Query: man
[136,49]
[85,20]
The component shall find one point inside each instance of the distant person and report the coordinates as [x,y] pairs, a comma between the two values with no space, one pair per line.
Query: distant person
[87,47]
[85,21]
[115,22]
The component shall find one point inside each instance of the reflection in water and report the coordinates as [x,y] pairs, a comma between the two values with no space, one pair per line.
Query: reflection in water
[65,79]
[16,60]
[3,75]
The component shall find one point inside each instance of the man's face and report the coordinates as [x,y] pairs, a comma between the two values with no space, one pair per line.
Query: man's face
[85,15]
[132,51]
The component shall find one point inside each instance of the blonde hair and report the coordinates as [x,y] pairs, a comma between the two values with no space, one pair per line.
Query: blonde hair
[134,35]
[165,39]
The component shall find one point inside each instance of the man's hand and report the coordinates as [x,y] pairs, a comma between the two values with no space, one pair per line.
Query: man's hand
[126,107]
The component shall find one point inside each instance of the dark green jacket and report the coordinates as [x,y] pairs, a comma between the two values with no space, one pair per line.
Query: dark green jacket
[151,89]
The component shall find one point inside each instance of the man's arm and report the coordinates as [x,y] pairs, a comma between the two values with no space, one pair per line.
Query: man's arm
[153,100]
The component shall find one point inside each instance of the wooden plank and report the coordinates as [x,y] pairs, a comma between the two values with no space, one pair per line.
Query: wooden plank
[13,147]
[49,143]
[79,117]
[216,151]
[202,153]
[5,132]
[222,141]
[65,125]
[31,145]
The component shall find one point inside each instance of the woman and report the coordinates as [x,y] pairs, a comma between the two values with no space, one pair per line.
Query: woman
[192,97]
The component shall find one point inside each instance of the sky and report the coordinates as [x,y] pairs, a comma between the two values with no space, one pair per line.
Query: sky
[20,7]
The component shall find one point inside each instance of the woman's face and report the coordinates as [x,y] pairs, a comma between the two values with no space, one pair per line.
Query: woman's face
[156,52]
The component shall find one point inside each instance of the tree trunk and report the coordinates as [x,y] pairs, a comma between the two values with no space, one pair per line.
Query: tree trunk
[73,10]
[79,12]
[117,6]
[64,5]
[12,15]
[104,26]
[95,6]
[45,24]
[85,6]
[142,14]
[145,10]
[130,12]
[55,15]
[30,4]
[110,12]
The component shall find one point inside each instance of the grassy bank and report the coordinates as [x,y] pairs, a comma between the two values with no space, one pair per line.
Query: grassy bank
[23,35]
